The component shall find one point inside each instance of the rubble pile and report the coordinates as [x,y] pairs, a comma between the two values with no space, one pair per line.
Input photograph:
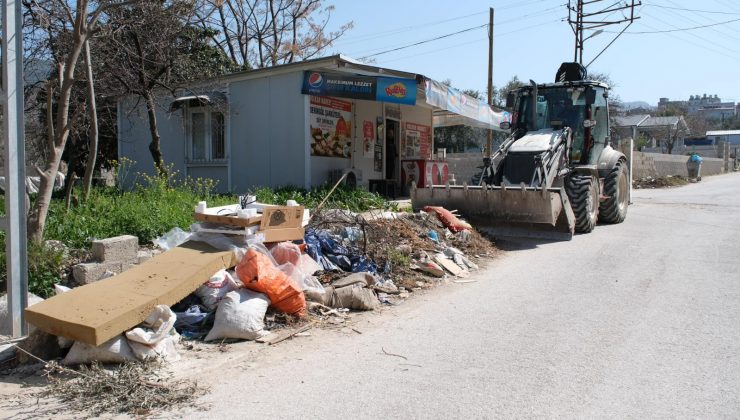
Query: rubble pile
[245,275]
[649,182]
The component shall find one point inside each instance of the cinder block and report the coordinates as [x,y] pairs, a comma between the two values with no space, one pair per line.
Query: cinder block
[144,255]
[116,249]
[87,273]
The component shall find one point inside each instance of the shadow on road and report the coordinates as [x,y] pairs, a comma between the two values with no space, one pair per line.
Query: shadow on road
[520,244]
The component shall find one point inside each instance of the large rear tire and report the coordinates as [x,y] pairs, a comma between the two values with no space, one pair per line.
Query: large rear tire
[583,193]
[616,188]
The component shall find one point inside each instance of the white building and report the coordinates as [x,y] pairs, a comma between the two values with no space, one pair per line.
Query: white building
[730,136]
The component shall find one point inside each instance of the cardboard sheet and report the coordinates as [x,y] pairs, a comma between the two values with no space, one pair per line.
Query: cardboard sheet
[99,311]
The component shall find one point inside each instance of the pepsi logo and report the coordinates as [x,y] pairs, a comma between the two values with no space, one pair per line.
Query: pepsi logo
[315,80]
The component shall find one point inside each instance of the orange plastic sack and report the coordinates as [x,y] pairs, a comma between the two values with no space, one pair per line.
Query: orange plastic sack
[258,273]
[448,219]
[286,252]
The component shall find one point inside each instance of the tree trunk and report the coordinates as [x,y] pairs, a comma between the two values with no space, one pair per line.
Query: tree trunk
[37,217]
[92,148]
[70,176]
[154,146]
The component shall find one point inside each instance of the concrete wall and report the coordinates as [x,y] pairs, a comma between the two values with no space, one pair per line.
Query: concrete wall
[657,165]
[464,166]
[134,138]
[269,144]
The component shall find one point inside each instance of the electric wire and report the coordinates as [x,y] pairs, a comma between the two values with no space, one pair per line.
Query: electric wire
[708,41]
[504,22]
[691,10]
[713,29]
[425,41]
[496,36]
[677,29]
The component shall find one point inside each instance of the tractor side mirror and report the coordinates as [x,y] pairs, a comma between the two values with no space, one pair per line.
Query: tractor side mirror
[510,98]
[590,96]
[505,125]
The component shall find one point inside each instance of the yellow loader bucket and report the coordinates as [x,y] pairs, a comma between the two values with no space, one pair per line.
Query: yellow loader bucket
[505,211]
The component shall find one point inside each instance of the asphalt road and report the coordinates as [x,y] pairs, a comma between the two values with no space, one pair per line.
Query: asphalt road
[634,320]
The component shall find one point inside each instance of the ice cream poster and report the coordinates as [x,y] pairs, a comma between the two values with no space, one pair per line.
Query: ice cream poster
[330,127]
[368,139]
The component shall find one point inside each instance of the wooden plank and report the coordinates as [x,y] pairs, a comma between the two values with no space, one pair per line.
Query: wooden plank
[99,311]
[227,220]
[281,217]
[449,265]
[281,235]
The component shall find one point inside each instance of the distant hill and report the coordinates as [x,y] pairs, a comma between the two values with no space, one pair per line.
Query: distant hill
[637,104]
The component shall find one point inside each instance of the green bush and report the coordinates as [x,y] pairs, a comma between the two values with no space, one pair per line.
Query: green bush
[152,208]
[355,200]
[46,266]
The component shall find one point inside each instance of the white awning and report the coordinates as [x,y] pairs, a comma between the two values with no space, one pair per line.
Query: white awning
[456,108]
[198,100]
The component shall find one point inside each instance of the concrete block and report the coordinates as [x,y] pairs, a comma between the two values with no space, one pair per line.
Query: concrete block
[116,249]
[144,255]
[40,344]
[87,273]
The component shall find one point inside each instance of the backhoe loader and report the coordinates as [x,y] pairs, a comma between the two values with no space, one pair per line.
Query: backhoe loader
[556,173]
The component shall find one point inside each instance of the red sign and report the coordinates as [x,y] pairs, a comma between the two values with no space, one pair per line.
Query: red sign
[397,90]
[368,129]
[418,141]
[331,103]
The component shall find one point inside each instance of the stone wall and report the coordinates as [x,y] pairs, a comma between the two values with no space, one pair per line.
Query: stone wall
[465,165]
[657,165]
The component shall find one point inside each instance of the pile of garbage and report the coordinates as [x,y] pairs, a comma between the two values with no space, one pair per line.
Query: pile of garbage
[345,261]
[649,182]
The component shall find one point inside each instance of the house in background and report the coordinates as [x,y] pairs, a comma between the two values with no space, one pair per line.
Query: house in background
[304,124]
[657,130]
[730,136]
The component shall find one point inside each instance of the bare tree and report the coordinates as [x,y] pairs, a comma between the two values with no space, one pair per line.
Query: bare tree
[669,135]
[265,33]
[69,27]
[138,60]
[92,148]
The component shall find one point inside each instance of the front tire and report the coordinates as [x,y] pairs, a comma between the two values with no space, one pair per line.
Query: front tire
[616,188]
[583,193]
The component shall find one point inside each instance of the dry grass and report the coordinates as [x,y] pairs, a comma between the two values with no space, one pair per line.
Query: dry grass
[662,182]
[136,388]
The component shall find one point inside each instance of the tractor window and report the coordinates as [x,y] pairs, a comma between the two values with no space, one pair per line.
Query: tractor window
[600,131]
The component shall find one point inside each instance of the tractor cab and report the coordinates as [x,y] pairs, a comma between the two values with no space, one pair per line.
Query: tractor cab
[580,106]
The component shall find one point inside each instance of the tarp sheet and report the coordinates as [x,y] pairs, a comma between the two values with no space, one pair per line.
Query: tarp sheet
[457,108]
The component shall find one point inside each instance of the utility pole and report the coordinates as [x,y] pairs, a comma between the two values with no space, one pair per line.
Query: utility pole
[489,140]
[581,20]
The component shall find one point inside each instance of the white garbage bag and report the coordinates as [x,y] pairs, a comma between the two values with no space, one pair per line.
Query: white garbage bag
[156,338]
[212,291]
[240,314]
[6,319]
[115,350]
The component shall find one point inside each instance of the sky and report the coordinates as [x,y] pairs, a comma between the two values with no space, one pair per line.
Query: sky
[532,38]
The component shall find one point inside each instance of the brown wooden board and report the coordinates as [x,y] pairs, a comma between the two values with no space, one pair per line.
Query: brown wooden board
[227,220]
[282,235]
[99,311]
[281,217]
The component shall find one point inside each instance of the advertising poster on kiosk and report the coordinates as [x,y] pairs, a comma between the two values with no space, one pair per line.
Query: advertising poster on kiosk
[331,127]
[368,139]
[417,141]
